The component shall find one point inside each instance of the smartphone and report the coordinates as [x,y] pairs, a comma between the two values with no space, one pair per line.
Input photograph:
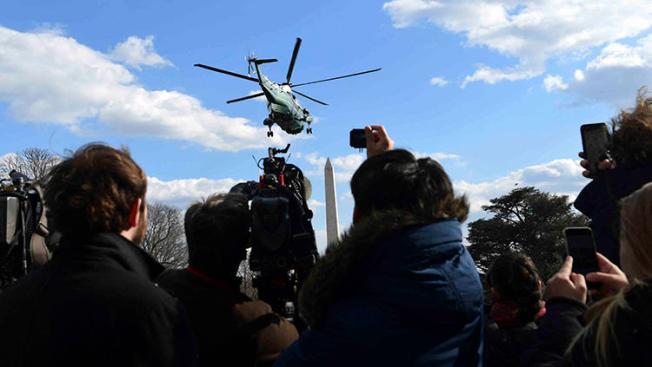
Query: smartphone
[595,143]
[357,139]
[580,244]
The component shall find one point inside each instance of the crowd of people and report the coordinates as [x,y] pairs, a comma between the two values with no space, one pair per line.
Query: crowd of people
[398,289]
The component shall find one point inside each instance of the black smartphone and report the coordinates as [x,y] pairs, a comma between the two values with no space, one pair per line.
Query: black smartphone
[580,244]
[357,139]
[595,143]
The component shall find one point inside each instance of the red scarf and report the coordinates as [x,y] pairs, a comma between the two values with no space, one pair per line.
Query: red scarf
[505,314]
[218,283]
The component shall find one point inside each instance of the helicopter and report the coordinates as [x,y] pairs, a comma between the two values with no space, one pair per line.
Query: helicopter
[283,107]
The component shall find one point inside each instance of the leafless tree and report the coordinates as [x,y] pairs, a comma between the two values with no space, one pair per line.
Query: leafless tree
[35,163]
[165,238]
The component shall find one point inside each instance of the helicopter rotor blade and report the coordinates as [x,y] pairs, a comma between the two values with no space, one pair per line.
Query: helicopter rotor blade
[227,72]
[295,52]
[335,78]
[245,98]
[310,98]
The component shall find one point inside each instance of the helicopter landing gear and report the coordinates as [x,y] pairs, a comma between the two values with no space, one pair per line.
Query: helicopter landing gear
[269,123]
[309,131]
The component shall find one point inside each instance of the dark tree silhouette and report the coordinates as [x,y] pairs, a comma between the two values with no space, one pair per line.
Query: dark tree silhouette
[35,163]
[527,221]
[165,237]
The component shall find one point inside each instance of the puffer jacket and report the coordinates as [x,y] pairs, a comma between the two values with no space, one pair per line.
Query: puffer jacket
[393,292]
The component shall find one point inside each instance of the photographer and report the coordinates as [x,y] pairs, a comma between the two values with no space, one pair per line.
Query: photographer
[618,327]
[231,329]
[629,168]
[95,303]
[399,289]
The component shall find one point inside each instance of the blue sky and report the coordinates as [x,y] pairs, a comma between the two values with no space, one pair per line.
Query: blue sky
[496,90]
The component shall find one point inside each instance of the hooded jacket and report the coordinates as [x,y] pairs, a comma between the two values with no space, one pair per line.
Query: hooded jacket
[94,304]
[393,292]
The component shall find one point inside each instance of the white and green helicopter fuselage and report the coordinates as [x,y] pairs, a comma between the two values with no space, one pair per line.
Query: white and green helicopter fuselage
[284,109]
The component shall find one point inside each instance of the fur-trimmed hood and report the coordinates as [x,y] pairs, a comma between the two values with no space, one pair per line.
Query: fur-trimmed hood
[396,259]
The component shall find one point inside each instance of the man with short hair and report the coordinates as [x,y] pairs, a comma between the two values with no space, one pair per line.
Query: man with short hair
[95,303]
[231,329]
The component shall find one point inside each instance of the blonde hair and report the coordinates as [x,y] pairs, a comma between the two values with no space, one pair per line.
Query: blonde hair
[604,342]
[636,232]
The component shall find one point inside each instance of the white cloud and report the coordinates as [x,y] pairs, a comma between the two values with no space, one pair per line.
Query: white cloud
[313,203]
[137,52]
[440,156]
[47,77]
[345,166]
[561,176]
[615,74]
[183,192]
[438,81]
[553,83]
[531,31]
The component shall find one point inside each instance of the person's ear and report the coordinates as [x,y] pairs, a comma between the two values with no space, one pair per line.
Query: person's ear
[135,213]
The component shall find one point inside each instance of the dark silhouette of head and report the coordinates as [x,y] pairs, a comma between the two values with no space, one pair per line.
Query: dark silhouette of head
[396,180]
[515,279]
[94,191]
[217,233]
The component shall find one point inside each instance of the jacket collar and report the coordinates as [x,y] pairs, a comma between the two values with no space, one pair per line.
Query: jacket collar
[115,248]
[331,278]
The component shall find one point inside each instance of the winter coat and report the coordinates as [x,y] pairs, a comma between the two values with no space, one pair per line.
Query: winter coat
[231,329]
[392,292]
[94,304]
[599,201]
[557,329]
[503,347]
[564,341]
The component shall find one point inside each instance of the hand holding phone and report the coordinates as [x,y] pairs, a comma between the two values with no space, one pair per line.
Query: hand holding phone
[595,142]
[580,245]
[376,139]
[610,277]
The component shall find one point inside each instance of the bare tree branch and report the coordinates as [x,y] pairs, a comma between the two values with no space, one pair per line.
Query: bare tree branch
[35,163]
[165,238]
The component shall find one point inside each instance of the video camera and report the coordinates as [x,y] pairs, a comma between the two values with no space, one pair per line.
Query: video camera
[21,211]
[283,246]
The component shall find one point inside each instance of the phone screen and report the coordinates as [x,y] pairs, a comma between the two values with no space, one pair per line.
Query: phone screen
[595,141]
[581,246]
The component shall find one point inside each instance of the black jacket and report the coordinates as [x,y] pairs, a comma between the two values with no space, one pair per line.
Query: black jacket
[94,304]
[231,329]
[599,201]
[557,330]
[504,347]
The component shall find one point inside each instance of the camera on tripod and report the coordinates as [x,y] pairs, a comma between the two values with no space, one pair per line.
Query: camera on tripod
[22,228]
[283,246]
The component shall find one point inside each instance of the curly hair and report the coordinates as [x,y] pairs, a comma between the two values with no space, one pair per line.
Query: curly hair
[515,278]
[93,191]
[632,133]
